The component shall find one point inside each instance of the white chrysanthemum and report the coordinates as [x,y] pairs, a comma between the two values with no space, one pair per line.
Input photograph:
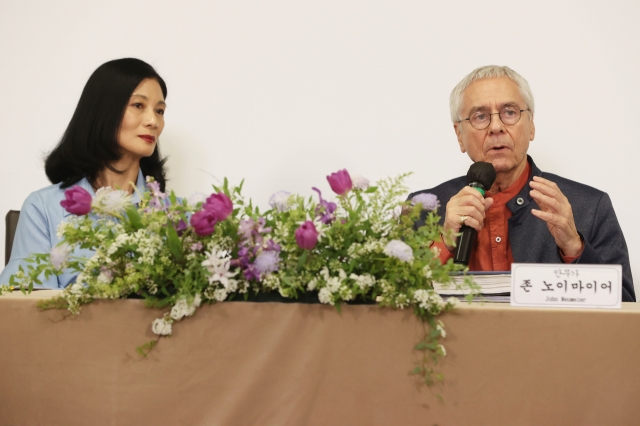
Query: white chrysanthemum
[59,255]
[360,182]
[161,327]
[281,201]
[400,250]
[324,295]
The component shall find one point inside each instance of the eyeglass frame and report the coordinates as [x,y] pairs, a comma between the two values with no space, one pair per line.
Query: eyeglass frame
[491,118]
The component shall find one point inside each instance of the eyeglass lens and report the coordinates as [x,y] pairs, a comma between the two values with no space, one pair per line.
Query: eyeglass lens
[509,115]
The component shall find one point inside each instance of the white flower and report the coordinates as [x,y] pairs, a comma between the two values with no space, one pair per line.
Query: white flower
[220,294]
[161,327]
[453,302]
[281,201]
[324,295]
[440,328]
[106,276]
[360,182]
[76,288]
[443,351]
[59,255]
[312,284]
[436,251]
[397,211]
[427,271]
[363,281]
[267,261]
[400,250]
[218,263]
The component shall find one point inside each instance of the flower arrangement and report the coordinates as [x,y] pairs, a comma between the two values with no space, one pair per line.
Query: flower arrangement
[178,253]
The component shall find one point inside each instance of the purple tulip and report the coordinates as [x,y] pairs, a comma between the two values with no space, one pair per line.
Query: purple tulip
[77,201]
[307,235]
[220,205]
[203,222]
[340,182]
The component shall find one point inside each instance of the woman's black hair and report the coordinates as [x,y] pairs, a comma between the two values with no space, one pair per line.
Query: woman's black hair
[90,143]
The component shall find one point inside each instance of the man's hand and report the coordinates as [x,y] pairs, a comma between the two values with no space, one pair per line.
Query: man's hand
[467,203]
[556,211]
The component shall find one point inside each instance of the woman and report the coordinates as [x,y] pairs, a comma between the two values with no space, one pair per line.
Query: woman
[112,140]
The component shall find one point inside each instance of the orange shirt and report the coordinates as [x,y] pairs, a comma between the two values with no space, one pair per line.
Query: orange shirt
[492,250]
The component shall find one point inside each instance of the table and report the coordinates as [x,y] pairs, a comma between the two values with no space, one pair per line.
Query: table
[243,363]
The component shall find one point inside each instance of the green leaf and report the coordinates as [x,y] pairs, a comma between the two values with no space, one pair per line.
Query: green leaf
[371,189]
[146,348]
[134,217]
[302,260]
[174,242]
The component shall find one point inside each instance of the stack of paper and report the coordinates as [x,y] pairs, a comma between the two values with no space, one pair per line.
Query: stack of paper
[492,283]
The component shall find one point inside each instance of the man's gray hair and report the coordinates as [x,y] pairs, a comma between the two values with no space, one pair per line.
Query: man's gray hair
[489,71]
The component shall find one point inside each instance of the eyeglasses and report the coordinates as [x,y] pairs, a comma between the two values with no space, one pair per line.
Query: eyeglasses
[509,115]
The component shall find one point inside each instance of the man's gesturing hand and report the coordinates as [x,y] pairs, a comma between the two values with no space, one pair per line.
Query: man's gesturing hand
[556,211]
[470,203]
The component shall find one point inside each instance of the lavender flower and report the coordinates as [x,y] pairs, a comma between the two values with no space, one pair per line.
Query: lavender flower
[77,201]
[325,208]
[280,201]
[360,182]
[267,261]
[203,222]
[182,226]
[340,182]
[59,255]
[307,235]
[428,201]
[399,249]
[220,205]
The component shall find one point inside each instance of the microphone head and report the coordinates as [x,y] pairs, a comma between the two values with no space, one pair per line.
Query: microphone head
[483,173]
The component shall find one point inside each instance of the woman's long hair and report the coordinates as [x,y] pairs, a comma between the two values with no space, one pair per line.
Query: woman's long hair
[90,143]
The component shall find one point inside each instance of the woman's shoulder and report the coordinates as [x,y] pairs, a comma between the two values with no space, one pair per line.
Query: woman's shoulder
[48,196]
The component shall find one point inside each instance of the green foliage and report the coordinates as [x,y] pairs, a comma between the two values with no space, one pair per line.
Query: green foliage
[367,249]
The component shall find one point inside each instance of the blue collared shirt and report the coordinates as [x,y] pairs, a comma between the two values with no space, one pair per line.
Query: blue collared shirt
[37,230]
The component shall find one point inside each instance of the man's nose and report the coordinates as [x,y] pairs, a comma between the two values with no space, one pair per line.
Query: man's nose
[496,125]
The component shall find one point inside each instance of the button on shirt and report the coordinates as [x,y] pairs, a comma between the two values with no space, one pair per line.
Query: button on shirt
[37,230]
[492,250]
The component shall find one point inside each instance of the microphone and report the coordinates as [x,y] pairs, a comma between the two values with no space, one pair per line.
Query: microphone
[481,176]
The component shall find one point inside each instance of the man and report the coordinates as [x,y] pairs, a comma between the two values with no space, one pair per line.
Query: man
[527,216]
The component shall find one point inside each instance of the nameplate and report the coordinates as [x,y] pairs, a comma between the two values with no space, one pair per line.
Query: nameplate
[566,285]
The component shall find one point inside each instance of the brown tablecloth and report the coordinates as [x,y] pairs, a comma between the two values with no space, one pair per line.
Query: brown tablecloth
[240,363]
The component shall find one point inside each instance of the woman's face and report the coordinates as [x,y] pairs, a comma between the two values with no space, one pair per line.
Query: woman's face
[143,120]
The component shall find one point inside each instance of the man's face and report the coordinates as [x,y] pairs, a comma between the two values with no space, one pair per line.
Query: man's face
[504,146]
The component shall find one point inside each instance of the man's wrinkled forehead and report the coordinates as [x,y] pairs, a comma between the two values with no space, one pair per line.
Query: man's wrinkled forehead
[491,93]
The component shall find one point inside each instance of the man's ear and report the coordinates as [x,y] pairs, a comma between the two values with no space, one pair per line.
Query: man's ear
[458,128]
[533,130]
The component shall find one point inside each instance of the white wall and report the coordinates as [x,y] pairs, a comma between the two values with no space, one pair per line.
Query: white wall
[282,93]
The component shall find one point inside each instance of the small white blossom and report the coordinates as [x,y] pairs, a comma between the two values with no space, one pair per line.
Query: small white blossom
[427,271]
[76,289]
[312,284]
[443,351]
[218,263]
[111,201]
[400,250]
[324,295]
[161,327]
[453,302]
[220,294]
[440,328]
[397,211]
[363,281]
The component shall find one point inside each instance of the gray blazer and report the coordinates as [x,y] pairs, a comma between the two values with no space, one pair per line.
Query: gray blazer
[531,241]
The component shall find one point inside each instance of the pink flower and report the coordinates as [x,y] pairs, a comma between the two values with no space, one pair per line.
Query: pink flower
[307,235]
[340,182]
[220,205]
[203,222]
[77,201]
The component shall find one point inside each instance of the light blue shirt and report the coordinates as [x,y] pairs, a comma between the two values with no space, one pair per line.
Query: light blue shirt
[37,230]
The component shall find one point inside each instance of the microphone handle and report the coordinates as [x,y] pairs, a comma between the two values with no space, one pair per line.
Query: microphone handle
[464,245]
